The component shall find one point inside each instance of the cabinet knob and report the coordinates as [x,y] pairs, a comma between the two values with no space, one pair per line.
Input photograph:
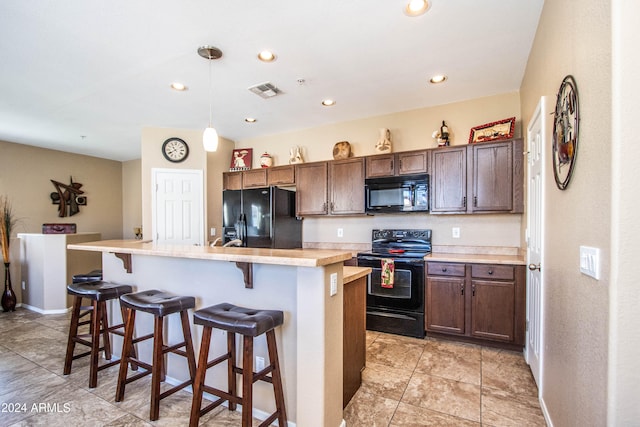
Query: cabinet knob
[490,272]
[444,269]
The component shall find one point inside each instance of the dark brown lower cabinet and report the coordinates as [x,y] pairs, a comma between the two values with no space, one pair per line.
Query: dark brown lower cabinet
[476,302]
[354,337]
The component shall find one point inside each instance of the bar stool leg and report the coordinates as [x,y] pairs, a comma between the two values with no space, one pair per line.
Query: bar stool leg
[127,346]
[132,353]
[186,332]
[157,371]
[247,381]
[201,374]
[96,318]
[73,331]
[102,305]
[231,368]
[276,378]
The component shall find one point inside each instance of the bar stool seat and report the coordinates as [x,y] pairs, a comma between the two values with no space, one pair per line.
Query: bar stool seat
[249,323]
[98,292]
[159,304]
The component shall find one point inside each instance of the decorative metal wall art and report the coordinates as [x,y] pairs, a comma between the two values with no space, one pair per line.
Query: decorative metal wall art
[566,121]
[69,198]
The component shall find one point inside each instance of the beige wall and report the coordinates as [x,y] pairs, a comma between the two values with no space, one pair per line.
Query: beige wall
[410,130]
[574,37]
[131,197]
[209,163]
[624,340]
[25,174]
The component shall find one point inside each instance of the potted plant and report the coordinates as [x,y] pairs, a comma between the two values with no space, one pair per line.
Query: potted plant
[7,222]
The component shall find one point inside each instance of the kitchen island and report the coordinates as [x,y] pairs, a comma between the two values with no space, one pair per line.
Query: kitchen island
[296,281]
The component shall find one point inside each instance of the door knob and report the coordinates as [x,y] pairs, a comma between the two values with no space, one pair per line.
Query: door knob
[534,267]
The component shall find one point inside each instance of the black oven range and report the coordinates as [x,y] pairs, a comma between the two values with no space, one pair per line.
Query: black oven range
[395,289]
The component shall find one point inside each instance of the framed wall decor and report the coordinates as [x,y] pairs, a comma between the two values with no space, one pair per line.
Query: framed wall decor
[241,159]
[566,121]
[493,131]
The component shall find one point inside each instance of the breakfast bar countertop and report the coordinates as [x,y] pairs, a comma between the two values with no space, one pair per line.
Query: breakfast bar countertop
[290,257]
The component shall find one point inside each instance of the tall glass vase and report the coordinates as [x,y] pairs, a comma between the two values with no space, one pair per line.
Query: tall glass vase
[8,296]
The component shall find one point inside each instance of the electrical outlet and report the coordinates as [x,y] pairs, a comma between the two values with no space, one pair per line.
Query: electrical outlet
[259,363]
[213,231]
[334,284]
[455,232]
[340,232]
[24,285]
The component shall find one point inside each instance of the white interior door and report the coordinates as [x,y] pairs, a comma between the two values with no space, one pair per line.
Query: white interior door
[178,200]
[538,135]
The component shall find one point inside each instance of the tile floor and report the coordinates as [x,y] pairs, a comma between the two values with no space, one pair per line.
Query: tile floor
[429,382]
[407,382]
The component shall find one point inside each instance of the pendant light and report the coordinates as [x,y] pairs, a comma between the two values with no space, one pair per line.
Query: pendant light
[210,135]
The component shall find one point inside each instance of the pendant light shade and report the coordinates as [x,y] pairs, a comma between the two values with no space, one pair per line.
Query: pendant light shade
[210,135]
[210,139]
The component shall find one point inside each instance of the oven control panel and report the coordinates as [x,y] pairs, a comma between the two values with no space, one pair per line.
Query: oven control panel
[401,234]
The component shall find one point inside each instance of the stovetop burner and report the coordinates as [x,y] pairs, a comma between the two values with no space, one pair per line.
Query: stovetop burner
[399,243]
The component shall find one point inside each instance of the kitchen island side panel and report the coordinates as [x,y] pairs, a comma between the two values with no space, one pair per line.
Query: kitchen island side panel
[309,329]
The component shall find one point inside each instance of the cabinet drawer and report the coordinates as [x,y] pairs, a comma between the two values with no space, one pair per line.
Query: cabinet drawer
[445,269]
[490,271]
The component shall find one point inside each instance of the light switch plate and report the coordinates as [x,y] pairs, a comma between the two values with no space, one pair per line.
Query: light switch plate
[590,261]
[455,232]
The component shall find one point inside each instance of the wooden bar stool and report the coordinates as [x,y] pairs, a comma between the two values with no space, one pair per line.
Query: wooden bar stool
[159,304]
[99,293]
[249,323]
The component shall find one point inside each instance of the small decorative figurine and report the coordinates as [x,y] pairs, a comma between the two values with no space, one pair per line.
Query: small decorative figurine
[442,135]
[341,150]
[295,156]
[266,161]
[384,142]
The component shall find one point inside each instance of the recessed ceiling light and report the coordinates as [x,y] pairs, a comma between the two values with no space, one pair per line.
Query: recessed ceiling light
[266,56]
[328,102]
[416,7]
[250,120]
[178,86]
[437,79]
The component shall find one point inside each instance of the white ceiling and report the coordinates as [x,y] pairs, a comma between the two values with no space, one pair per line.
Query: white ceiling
[102,69]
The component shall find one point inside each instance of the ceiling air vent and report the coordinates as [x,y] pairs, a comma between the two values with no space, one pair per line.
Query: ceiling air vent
[265,90]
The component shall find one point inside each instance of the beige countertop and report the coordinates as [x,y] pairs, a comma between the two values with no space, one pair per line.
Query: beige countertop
[350,273]
[291,257]
[476,258]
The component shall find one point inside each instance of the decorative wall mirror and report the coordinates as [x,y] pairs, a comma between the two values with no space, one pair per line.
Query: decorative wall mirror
[565,132]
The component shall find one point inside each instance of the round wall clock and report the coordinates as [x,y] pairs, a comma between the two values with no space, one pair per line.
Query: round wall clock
[175,150]
[565,132]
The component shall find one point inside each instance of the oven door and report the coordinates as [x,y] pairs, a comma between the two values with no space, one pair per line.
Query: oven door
[407,293]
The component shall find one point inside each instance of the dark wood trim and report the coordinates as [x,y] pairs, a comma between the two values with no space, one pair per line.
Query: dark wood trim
[126,260]
[247,271]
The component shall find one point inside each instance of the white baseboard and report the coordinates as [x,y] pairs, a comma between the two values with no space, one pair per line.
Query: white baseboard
[545,412]
[41,311]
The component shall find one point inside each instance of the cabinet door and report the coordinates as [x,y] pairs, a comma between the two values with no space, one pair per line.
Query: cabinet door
[254,178]
[492,177]
[444,305]
[381,165]
[449,180]
[347,186]
[232,181]
[311,189]
[413,162]
[281,175]
[493,309]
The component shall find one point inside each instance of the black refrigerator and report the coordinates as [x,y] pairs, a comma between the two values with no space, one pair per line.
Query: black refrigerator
[261,218]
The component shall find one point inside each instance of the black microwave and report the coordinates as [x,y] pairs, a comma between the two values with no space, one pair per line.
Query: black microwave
[407,193]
